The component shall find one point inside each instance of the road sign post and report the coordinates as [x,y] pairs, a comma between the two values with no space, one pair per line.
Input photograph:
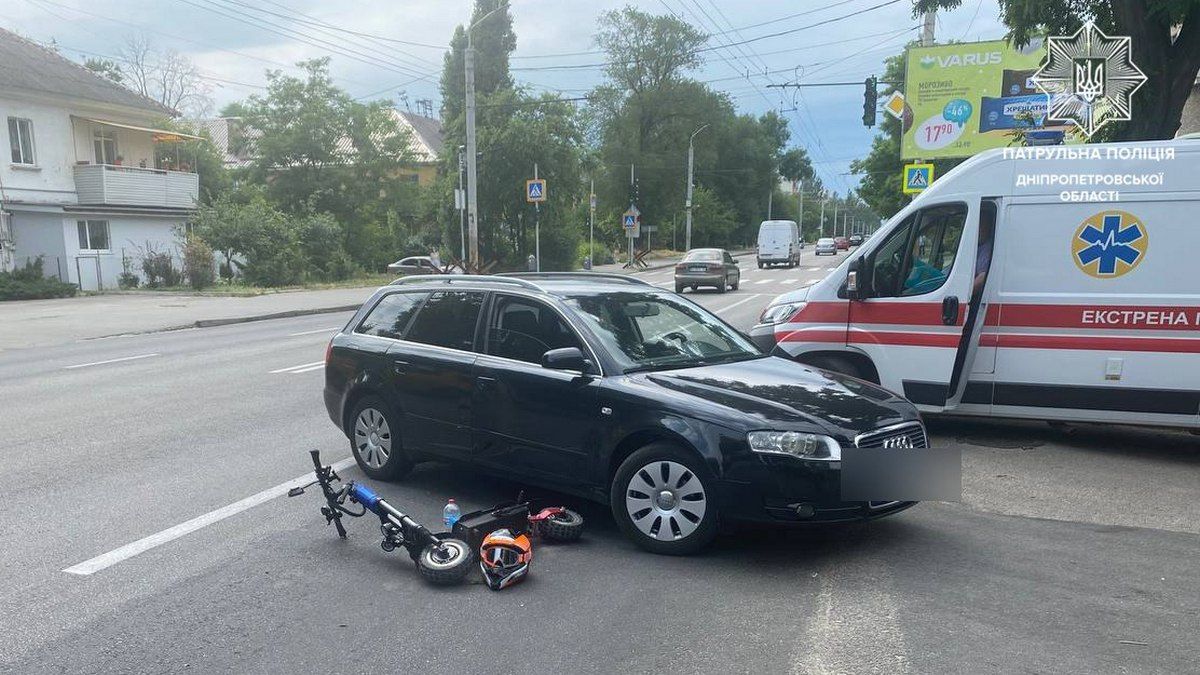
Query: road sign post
[535,193]
[631,221]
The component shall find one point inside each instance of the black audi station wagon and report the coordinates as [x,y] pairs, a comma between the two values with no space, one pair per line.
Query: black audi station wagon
[605,387]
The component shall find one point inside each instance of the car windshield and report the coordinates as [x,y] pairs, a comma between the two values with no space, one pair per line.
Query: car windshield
[703,256]
[649,331]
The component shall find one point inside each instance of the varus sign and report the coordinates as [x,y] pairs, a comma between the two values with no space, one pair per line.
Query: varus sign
[968,59]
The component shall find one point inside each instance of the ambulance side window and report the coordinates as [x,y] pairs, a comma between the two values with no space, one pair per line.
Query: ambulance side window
[934,247]
[888,260]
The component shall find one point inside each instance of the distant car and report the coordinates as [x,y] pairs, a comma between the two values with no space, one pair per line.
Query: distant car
[419,264]
[826,245]
[856,240]
[842,243]
[707,267]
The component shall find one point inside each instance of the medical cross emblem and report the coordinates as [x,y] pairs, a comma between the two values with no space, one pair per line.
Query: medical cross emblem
[1110,244]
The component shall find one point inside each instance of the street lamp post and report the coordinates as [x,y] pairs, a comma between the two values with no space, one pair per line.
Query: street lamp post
[472,167]
[687,239]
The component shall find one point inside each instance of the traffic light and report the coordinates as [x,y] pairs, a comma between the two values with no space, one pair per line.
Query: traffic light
[870,95]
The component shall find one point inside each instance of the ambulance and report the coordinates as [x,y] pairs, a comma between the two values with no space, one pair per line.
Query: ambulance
[1055,282]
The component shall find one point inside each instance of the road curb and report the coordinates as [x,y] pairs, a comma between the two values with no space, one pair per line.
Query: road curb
[209,323]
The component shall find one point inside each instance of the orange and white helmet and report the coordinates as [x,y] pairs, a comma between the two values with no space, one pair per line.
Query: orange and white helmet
[504,558]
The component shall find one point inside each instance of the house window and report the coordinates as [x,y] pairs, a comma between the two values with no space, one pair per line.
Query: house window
[20,139]
[105,143]
[93,235]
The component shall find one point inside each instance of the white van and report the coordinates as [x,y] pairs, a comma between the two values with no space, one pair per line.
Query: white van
[996,293]
[779,242]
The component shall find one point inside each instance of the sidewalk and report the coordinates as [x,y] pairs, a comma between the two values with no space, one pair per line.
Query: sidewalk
[40,323]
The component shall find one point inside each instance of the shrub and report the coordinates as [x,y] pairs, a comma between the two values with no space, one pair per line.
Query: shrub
[159,268]
[601,255]
[128,279]
[198,263]
[30,283]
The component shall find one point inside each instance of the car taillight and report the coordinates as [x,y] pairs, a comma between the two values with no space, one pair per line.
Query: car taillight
[680,267]
[328,351]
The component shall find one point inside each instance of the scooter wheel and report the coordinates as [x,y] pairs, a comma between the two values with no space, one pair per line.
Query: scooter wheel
[446,562]
[564,526]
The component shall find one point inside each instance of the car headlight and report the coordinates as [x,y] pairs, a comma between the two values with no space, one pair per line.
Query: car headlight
[780,313]
[795,444]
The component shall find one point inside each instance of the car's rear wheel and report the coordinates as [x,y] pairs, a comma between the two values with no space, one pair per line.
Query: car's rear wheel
[663,499]
[375,440]
[679,288]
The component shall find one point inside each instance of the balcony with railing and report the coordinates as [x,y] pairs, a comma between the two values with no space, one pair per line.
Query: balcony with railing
[111,185]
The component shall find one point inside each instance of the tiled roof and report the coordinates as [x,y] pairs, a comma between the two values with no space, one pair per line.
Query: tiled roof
[26,65]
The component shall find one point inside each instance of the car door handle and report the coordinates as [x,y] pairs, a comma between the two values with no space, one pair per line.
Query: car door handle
[950,310]
[485,381]
[399,367]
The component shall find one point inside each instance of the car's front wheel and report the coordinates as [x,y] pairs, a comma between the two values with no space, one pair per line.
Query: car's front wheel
[663,499]
[375,440]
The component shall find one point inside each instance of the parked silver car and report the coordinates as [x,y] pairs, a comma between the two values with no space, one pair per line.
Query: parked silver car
[826,245]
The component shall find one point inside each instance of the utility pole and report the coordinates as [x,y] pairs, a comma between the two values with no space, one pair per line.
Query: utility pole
[632,186]
[800,209]
[833,230]
[462,211]
[927,28]
[770,199]
[687,239]
[821,232]
[592,224]
[472,165]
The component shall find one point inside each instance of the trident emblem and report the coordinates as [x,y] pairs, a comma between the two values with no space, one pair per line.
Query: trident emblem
[1089,78]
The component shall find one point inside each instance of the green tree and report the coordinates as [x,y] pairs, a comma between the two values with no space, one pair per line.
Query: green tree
[515,130]
[1165,39]
[320,151]
[200,156]
[105,68]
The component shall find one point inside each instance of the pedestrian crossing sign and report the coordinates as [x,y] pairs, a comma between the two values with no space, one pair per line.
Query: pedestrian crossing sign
[917,177]
[535,190]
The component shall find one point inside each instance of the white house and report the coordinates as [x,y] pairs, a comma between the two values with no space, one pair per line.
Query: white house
[79,184]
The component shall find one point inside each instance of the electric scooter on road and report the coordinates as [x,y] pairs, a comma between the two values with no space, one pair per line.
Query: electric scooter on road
[440,559]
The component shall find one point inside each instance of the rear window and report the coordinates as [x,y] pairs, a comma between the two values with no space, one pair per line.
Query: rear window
[447,319]
[703,256]
[825,240]
[390,316]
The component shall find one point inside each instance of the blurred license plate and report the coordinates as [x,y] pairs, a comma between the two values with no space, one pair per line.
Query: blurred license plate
[698,268]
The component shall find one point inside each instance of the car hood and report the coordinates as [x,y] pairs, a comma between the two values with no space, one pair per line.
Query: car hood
[776,391]
[798,295]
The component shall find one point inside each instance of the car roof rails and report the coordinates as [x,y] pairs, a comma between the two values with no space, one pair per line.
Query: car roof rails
[581,276]
[450,279]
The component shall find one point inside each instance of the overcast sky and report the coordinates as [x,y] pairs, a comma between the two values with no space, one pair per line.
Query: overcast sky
[233,52]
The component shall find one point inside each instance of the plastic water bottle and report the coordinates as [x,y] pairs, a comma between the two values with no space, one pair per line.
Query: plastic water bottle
[450,514]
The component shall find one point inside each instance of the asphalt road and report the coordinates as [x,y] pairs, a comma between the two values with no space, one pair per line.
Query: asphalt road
[1071,551]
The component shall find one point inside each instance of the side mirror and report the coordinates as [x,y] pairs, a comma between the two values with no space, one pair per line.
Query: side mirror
[566,358]
[853,290]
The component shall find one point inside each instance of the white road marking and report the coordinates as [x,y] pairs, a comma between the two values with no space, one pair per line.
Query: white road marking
[748,298]
[172,533]
[312,332]
[763,281]
[303,367]
[789,282]
[855,598]
[101,363]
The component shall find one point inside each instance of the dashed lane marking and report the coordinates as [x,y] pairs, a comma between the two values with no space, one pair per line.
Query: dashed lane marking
[302,368]
[101,363]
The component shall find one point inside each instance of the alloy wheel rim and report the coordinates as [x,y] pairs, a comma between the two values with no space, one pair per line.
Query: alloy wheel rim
[665,500]
[372,438]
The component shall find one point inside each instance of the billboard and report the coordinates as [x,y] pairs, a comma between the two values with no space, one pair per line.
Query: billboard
[966,98]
